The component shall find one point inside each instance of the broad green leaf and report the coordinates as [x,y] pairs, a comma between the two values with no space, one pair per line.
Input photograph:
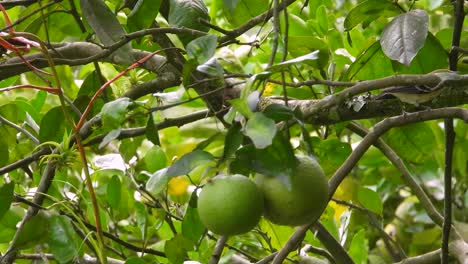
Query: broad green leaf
[143,14]
[176,249]
[202,48]
[5,154]
[261,130]
[285,64]
[107,28]
[322,19]
[368,11]
[423,63]
[211,68]
[62,239]
[192,227]
[6,197]
[155,159]
[113,192]
[370,200]
[113,134]
[278,112]
[233,140]
[370,64]
[332,152]
[186,13]
[359,247]
[242,106]
[157,181]
[240,11]
[188,162]
[53,125]
[33,232]
[405,36]
[412,142]
[113,113]
[151,131]
[276,160]
[141,215]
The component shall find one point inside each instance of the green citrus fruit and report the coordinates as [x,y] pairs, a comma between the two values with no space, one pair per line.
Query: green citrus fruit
[303,201]
[230,205]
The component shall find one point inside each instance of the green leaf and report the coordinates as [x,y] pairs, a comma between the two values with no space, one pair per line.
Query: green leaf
[33,232]
[192,227]
[157,181]
[233,140]
[202,48]
[370,200]
[278,112]
[176,249]
[332,152]
[322,19]
[143,14]
[211,68]
[151,131]
[359,247]
[261,130]
[277,160]
[107,28]
[285,64]
[53,125]
[405,36]
[62,239]
[368,11]
[240,11]
[6,197]
[5,154]
[113,113]
[188,162]
[113,134]
[114,191]
[155,159]
[141,218]
[186,13]
[241,105]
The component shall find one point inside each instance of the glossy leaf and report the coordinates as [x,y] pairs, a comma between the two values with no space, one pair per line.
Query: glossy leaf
[151,131]
[261,130]
[62,239]
[405,36]
[107,27]
[143,14]
[192,227]
[233,140]
[155,159]
[370,200]
[202,48]
[114,192]
[176,249]
[113,113]
[33,231]
[186,13]
[368,11]
[6,196]
[285,64]
[358,248]
[53,125]
[188,162]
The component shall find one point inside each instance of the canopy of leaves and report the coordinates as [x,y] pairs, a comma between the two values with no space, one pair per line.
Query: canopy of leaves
[113,115]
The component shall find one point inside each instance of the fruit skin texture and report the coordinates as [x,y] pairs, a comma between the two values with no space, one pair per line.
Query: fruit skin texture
[303,202]
[230,205]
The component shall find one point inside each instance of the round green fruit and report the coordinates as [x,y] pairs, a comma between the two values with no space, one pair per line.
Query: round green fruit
[300,203]
[230,205]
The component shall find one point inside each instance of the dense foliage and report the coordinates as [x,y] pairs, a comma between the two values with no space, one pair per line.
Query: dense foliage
[113,115]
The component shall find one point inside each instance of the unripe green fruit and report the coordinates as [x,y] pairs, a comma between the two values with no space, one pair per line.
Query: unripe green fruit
[230,205]
[302,202]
